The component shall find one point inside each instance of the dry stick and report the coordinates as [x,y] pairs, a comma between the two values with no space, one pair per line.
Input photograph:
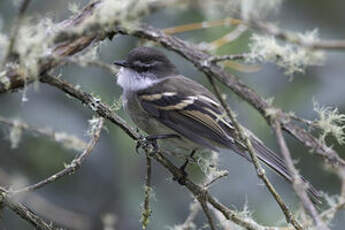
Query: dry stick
[197,191]
[72,167]
[202,198]
[229,57]
[259,170]
[25,213]
[298,185]
[223,174]
[107,113]
[91,102]
[148,189]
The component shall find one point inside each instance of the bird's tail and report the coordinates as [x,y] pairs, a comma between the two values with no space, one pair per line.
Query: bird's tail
[275,162]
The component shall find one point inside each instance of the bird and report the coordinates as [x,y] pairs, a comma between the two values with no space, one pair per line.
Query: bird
[183,113]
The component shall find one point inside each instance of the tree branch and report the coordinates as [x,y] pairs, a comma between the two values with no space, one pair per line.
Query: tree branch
[73,166]
[259,170]
[145,216]
[298,184]
[24,212]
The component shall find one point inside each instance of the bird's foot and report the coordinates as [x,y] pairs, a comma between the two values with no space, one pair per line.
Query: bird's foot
[149,143]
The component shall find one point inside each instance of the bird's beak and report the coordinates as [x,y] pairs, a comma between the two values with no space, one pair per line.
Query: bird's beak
[122,63]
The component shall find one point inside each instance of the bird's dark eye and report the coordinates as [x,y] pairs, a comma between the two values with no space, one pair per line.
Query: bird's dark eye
[144,66]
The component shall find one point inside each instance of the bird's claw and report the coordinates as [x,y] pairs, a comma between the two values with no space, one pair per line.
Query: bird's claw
[148,144]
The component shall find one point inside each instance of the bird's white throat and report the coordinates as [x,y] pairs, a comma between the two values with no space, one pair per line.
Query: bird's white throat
[131,80]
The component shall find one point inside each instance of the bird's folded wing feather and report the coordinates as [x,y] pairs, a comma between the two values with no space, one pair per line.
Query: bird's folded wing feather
[189,109]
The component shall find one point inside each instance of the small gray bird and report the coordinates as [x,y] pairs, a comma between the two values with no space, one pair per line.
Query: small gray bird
[162,102]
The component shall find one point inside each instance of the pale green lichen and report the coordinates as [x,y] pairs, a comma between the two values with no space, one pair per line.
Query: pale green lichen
[93,125]
[258,9]
[117,104]
[111,12]
[4,80]
[272,112]
[69,141]
[331,122]
[291,57]
[34,44]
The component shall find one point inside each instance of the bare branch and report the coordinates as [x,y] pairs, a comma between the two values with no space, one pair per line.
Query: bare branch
[298,184]
[229,57]
[259,170]
[73,166]
[93,103]
[145,216]
[202,198]
[24,212]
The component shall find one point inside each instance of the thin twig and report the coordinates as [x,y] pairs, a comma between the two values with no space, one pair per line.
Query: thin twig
[202,198]
[229,57]
[329,213]
[24,212]
[90,101]
[299,186]
[145,216]
[259,170]
[73,166]
[219,176]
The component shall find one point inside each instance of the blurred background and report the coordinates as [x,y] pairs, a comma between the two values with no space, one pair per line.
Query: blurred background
[109,186]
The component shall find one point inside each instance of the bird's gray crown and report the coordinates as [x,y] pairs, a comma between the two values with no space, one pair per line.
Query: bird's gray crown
[148,60]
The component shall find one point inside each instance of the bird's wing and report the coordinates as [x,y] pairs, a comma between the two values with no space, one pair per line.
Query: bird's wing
[188,108]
